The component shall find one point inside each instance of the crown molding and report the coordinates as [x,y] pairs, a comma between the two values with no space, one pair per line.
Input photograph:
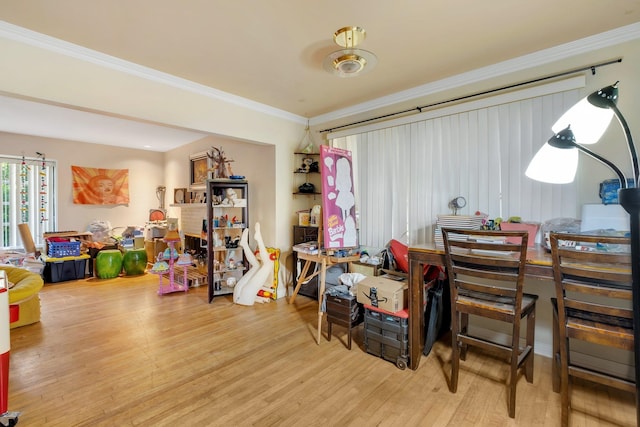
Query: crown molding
[543,57]
[32,38]
[581,46]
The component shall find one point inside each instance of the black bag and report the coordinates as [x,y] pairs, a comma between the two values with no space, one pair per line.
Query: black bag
[388,263]
[437,316]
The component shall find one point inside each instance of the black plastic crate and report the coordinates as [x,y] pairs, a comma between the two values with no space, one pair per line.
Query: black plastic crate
[387,335]
[343,310]
[64,270]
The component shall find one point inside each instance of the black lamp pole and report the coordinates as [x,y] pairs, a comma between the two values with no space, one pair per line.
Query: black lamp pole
[629,199]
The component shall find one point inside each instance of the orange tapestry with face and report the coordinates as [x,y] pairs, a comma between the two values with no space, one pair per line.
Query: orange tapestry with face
[95,186]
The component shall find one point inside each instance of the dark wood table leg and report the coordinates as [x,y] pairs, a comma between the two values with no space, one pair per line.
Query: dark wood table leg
[416,311]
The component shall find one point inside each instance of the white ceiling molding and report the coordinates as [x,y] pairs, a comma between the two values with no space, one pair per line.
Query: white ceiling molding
[585,45]
[42,41]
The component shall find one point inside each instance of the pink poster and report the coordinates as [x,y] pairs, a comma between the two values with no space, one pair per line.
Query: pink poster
[338,199]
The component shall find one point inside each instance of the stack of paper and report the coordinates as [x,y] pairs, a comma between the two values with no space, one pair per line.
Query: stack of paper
[307,248]
[467,222]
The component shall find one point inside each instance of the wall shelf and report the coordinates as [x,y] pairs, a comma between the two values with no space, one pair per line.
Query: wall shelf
[188,205]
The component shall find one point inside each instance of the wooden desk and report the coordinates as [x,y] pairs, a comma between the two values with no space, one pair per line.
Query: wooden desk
[324,261]
[538,267]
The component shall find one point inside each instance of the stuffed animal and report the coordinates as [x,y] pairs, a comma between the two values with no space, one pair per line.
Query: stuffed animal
[231,197]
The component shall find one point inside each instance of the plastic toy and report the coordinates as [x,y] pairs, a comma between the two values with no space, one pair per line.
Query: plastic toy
[162,267]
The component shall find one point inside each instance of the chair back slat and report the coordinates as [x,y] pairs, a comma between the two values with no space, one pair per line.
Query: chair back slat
[585,267]
[480,287]
[598,257]
[590,307]
[611,290]
[486,272]
[474,241]
[486,262]
[613,278]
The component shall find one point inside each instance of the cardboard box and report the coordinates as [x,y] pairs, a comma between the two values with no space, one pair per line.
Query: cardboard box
[365,269]
[530,227]
[384,293]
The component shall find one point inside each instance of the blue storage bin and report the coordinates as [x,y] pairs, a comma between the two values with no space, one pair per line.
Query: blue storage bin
[63,249]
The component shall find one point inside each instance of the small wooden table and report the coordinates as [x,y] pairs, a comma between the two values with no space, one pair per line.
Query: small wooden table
[538,267]
[325,261]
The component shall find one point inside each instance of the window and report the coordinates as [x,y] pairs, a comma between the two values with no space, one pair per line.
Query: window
[406,171]
[27,197]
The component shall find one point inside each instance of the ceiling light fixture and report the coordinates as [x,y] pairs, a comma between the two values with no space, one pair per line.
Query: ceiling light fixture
[349,61]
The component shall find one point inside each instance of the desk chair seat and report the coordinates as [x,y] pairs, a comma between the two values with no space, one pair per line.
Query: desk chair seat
[580,276]
[486,276]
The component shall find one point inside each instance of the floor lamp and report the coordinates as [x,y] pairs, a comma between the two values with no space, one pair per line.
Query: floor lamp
[557,162]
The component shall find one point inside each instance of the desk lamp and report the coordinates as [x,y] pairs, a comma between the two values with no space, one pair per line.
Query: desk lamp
[557,162]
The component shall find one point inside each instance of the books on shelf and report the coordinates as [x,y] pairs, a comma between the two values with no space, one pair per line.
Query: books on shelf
[310,248]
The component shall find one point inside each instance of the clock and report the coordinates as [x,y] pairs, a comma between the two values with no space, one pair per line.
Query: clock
[457,203]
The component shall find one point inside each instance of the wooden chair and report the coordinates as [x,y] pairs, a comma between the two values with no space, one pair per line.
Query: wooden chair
[580,276]
[486,275]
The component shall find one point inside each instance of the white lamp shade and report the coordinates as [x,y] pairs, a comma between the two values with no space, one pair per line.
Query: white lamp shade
[587,121]
[554,165]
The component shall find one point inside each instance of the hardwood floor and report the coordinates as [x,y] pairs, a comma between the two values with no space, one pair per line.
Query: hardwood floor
[114,353]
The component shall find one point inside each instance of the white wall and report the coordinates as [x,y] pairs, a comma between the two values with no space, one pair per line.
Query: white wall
[63,77]
[612,145]
[94,85]
[257,162]
[146,172]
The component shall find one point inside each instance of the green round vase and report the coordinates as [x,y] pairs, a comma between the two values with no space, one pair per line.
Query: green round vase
[108,264]
[134,262]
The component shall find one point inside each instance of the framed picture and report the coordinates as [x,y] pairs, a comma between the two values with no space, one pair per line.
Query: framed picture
[199,165]
[180,195]
[198,197]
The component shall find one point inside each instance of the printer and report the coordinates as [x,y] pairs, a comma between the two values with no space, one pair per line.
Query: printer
[597,217]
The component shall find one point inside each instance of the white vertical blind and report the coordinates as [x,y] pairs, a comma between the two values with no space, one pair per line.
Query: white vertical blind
[406,174]
[35,198]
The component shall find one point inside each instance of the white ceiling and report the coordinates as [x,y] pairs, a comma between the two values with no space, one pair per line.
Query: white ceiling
[271,52]
[38,119]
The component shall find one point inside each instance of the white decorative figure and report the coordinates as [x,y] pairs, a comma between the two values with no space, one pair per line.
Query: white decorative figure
[253,261]
[249,291]
[345,200]
[230,197]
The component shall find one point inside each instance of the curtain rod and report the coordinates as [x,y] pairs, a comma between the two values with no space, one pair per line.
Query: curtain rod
[486,92]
